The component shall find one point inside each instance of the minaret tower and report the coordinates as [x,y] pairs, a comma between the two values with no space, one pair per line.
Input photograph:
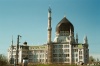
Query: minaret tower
[70,32]
[49,25]
[76,38]
[12,59]
[70,35]
[85,40]
[12,48]
[49,37]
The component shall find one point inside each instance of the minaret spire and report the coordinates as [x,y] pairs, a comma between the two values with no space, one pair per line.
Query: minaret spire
[12,59]
[49,37]
[12,40]
[12,48]
[76,37]
[70,32]
[49,25]
[85,40]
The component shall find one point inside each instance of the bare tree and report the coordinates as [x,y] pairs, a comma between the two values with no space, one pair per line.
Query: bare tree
[92,59]
[3,60]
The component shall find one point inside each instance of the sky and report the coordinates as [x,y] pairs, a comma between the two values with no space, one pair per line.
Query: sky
[29,19]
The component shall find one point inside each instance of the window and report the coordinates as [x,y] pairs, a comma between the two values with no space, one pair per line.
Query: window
[60,46]
[75,50]
[76,59]
[80,57]
[41,51]
[46,60]
[80,52]
[60,59]
[54,60]
[66,46]
[59,55]
[54,46]
[54,51]
[66,50]
[86,56]
[76,55]
[67,59]
[60,51]
[40,60]
[40,56]
[54,55]
[66,55]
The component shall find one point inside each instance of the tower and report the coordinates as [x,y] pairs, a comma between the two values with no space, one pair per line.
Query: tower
[49,37]
[70,35]
[70,32]
[49,25]
[76,38]
[17,50]
[12,59]
[85,40]
[12,48]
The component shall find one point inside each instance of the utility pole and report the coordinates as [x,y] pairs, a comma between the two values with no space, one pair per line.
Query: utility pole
[12,59]
[17,51]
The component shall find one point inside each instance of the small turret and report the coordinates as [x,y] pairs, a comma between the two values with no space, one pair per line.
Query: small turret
[70,32]
[85,40]
[12,59]
[76,38]
[12,48]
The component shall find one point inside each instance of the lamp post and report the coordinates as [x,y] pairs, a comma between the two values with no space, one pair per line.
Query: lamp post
[17,49]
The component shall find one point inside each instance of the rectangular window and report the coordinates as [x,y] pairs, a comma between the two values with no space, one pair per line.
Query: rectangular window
[80,57]
[75,50]
[76,59]
[54,46]
[46,60]
[59,55]
[54,51]
[80,52]
[54,55]
[60,59]
[66,55]
[67,59]
[66,50]
[66,46]
[76,55]
[60,50]
[61,46]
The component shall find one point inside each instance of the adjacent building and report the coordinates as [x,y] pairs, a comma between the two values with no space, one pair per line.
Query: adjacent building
[64,49]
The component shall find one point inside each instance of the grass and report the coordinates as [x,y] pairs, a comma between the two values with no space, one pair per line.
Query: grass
[50,65]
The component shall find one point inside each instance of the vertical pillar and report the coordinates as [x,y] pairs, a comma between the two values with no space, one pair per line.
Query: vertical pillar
[49,37]
[49,25]
[17,52]
[77,38]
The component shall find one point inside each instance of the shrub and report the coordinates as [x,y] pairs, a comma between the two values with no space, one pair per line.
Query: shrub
[3,60]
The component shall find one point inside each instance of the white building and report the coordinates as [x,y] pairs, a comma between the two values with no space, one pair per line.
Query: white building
[22,52]
[64,49]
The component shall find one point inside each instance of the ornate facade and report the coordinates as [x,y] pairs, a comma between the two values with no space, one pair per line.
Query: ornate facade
[64,49]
